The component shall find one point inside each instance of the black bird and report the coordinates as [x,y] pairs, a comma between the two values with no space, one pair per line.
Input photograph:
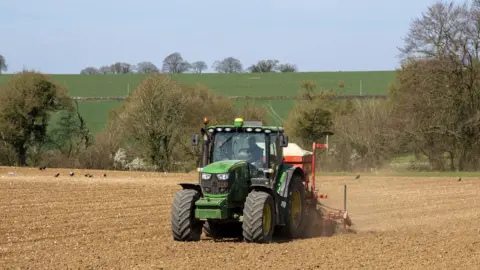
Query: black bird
[358,176]
[57,175]
[104,175]
[42,168]
[459,179]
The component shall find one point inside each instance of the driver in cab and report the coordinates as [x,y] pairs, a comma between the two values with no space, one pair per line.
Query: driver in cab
[254,150]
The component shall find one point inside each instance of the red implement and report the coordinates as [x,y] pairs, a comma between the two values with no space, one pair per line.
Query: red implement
[306,160]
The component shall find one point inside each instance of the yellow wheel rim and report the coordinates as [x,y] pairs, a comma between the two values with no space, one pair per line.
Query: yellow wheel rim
[267,219]
[296,208]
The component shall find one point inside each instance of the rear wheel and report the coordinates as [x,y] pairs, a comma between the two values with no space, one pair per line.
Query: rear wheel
[258,217]
[185,227]
[295,212]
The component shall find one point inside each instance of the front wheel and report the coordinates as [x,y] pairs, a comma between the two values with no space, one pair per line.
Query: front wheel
[258,217]
[185,227]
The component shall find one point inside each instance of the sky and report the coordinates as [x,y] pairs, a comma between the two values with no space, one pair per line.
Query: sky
[63,37]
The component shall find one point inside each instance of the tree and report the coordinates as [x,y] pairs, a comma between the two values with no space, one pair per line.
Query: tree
[312,114]
[174,63]
[199,66]
[437,88]
[160,115]
[147,68]
[228,65]
[71,134]
[253,112]
[264,66]
[106,70]
[287,68]
[3,64]
[121,68]
[90,71]
[27,101]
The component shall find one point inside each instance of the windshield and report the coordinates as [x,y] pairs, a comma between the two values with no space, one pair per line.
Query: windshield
[239,146]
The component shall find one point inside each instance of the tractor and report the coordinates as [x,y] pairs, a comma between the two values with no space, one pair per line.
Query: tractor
[248,188]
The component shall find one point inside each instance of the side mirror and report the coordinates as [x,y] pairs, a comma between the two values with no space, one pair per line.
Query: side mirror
[283,140]
[195,140]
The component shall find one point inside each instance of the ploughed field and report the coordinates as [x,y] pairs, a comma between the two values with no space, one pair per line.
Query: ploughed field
[123,221]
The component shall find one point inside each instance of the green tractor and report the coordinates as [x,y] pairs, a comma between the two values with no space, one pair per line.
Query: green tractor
[245,188]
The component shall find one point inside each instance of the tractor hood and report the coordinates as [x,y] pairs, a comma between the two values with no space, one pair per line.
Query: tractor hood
[223,166]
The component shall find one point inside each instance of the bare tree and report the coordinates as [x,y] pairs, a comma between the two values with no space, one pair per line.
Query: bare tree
[3,64]
[437,89]
[228,65]
[147,68]
[161,114]
[90,71]
[199,66]
[174,63]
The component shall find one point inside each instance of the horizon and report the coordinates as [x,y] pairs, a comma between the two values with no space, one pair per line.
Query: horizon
[305,33]
[206,73]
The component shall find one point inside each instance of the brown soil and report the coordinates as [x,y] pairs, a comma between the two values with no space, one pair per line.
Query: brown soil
[122,221]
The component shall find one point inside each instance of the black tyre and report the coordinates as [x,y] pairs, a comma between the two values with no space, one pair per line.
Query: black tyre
[222,230]
[295,223]
[184,225]
[258,217]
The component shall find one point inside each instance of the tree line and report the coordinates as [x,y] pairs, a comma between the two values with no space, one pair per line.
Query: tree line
[431,113]
[175,64]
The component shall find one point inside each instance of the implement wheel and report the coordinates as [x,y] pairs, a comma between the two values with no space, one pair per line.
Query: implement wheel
[258,217]
[185,227]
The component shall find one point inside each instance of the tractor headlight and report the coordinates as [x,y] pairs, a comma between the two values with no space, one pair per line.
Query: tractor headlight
[222,176]
[206,176]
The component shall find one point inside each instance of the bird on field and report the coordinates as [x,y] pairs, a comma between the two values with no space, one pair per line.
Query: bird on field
[104,175]
[459,179]
[358,176]
[42,168]
[71,174]
[57,175]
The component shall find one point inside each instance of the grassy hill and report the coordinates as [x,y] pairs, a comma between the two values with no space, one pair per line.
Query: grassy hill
[243,84]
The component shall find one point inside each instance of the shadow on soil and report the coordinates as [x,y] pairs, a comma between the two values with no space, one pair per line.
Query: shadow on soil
[327,228]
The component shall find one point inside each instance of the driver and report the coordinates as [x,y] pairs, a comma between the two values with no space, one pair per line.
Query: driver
[254,150]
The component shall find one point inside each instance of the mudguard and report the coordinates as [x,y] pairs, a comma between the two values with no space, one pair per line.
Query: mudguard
[191,186]
[285,174]
[261,182]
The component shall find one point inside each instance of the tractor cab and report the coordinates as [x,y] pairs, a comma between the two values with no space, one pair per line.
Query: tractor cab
[250,141]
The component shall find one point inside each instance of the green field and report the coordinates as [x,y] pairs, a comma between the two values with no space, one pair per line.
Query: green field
[242,84]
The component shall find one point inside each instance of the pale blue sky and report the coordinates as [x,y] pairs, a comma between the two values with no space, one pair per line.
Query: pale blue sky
[61,36]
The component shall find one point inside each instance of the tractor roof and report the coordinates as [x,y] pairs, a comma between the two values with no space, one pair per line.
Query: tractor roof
[245,128]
